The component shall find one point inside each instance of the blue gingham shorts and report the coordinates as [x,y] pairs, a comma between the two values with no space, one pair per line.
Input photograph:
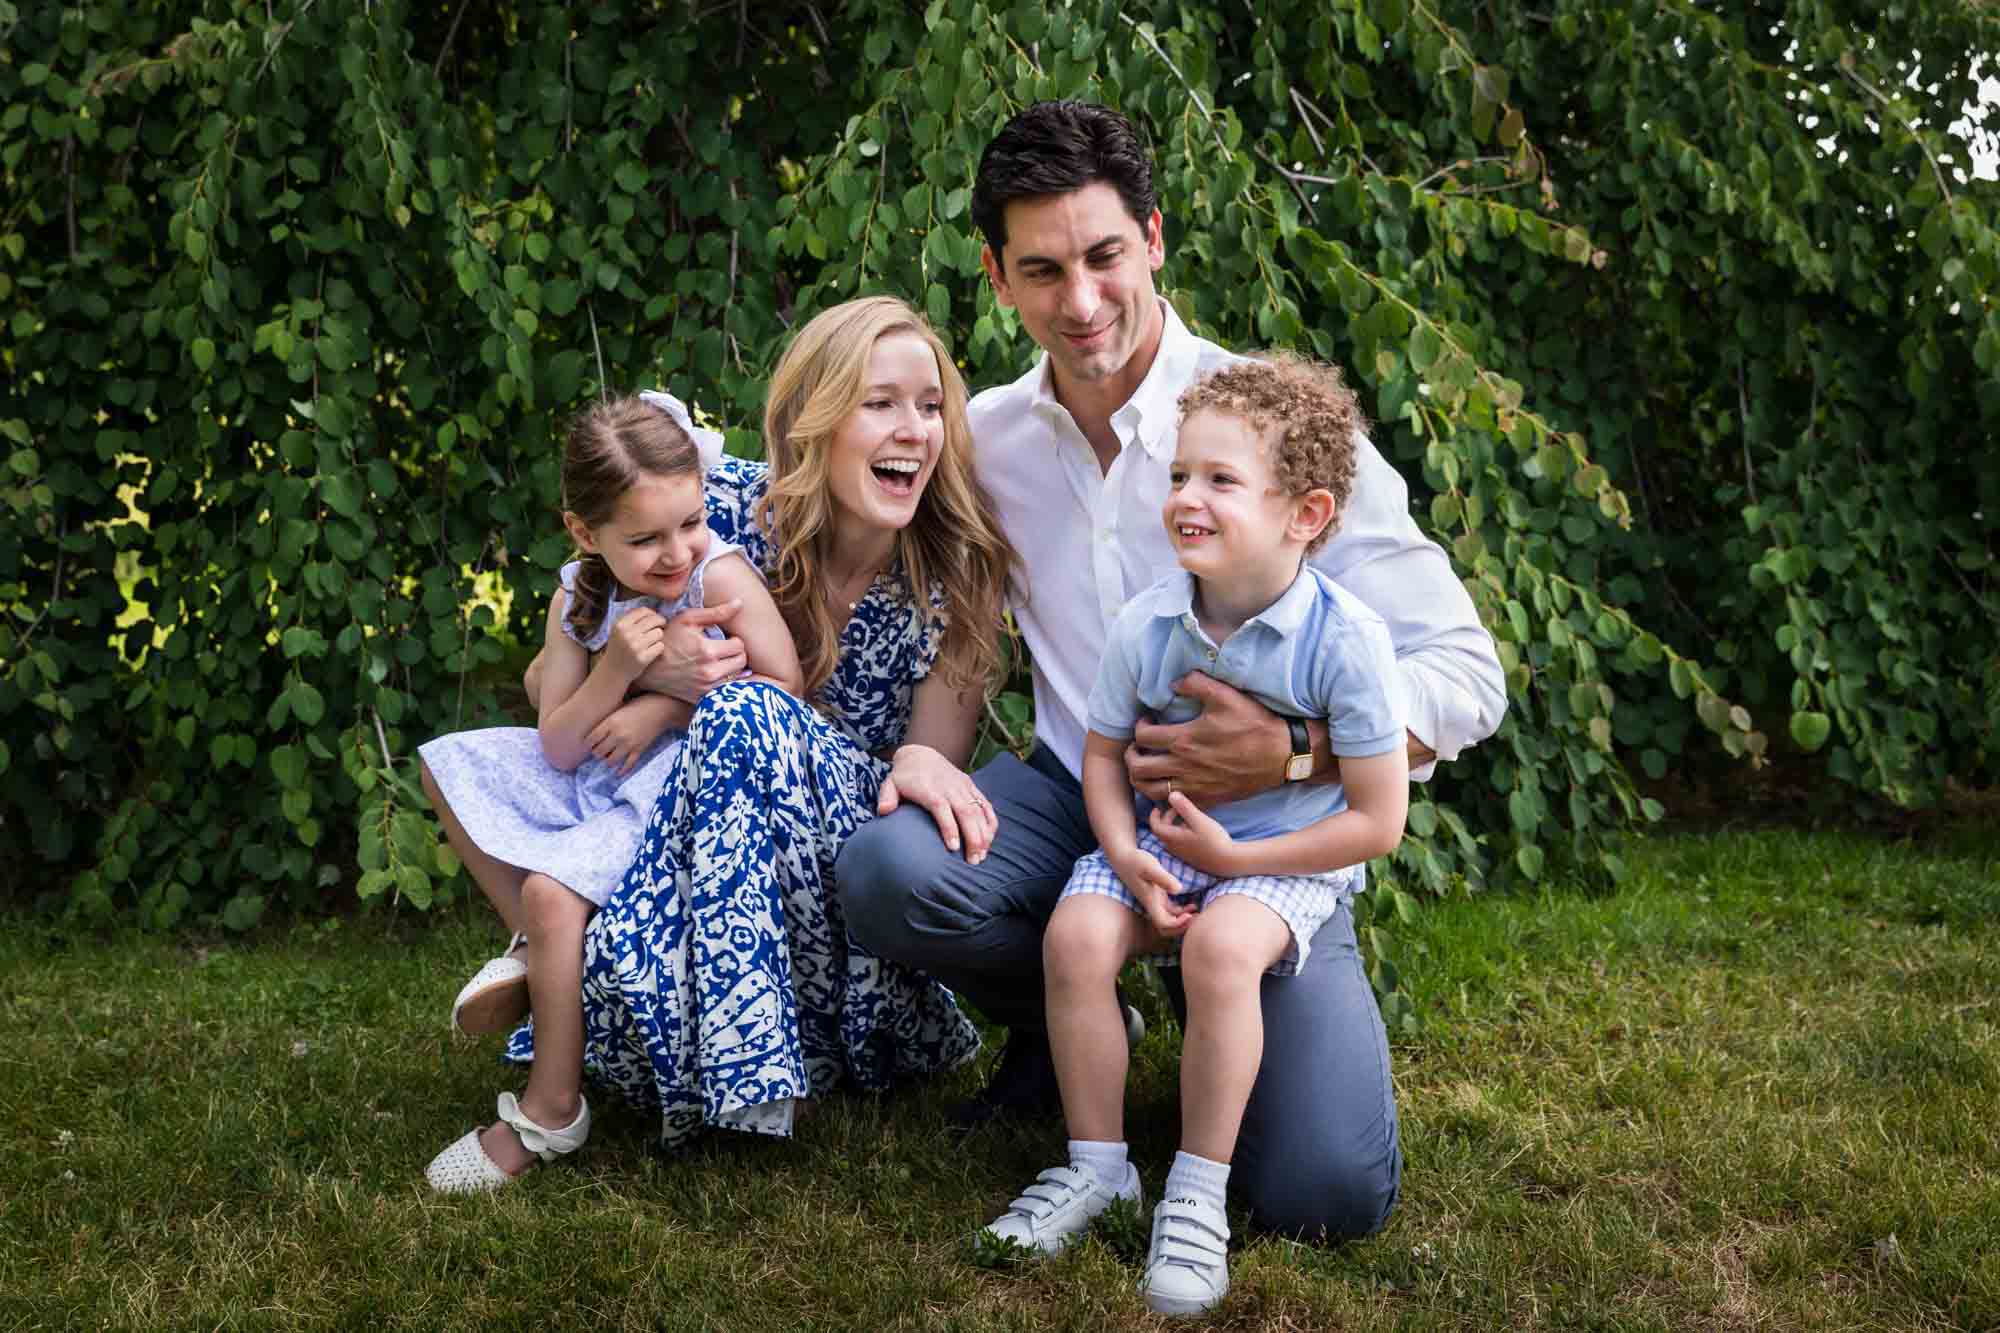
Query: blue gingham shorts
[1302,902]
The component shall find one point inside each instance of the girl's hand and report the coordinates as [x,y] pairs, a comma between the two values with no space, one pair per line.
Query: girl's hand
[1148,881]
[1192,836]
[636,640]
[621,739]
[965,818]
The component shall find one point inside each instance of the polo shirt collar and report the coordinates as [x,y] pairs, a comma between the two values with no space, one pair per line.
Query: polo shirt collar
[1288,613]
[1148,416]
[1284,616]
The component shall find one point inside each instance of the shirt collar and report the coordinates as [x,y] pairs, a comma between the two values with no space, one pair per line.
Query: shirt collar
[1284,616]
[1288,613]
[1149,415]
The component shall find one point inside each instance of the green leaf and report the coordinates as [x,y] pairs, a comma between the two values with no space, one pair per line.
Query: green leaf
[1522,811]
[243,911]
[203,351]
[306,703]
[288,765]
[1530,860]
[298,641]
[1424,346]
[342,492]
[1810,730]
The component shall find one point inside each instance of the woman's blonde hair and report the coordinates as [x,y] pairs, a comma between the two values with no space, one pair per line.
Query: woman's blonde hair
[953,540]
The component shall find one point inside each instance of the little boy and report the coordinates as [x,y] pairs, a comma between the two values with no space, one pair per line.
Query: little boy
[1264,465]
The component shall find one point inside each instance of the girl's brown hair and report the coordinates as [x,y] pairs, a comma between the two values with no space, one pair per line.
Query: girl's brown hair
[953,540]
[610,446]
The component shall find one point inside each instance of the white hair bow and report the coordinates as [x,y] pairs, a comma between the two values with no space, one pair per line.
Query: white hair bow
[708,443]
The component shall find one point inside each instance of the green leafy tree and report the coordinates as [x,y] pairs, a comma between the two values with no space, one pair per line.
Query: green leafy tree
[1679,317]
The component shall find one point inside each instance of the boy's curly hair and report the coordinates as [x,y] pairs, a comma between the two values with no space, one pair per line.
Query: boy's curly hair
[1304,411]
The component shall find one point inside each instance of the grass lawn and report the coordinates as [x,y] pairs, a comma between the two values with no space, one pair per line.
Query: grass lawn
[1758,1088]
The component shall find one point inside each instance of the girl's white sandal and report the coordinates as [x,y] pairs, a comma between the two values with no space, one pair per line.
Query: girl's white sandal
[464,1167]
[497,996]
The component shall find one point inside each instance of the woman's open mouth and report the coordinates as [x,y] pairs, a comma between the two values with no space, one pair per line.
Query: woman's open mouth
[898,476]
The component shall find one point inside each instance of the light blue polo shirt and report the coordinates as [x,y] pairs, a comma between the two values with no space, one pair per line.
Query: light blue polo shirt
[1316,652]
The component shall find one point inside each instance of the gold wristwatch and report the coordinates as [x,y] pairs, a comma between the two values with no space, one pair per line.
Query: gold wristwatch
[1300,766]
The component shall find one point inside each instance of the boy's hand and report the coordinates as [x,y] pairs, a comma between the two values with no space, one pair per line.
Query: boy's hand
[620,739]
[637,638]
[1186,831]
[1148,881]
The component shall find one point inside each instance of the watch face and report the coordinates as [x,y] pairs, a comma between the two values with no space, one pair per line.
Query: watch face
[1298,768]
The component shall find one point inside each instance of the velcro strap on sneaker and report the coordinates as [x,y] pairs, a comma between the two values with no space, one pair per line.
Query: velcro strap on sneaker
[1190,1233]
[1051,1190]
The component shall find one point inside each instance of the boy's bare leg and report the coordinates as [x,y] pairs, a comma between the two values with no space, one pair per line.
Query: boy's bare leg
[1223,958]
[500,882]
[1088,939]
[554,919]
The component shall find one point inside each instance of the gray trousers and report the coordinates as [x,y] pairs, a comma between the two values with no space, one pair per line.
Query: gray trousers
[1318,1153]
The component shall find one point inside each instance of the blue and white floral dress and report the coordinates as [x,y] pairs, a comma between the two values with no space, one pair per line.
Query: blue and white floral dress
[579,828]
[719,980]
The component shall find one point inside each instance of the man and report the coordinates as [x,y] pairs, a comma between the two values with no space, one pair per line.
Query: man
[1075,457]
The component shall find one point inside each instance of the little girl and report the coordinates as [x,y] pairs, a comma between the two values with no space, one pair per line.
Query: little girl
[546,820]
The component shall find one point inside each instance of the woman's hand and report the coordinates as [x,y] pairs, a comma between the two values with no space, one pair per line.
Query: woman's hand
[636,640]
[965,818]
[1186,831]
[690,664]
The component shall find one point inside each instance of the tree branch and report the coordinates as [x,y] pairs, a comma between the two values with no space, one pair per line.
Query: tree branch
[444,50]
[1168,61]
[1848,73]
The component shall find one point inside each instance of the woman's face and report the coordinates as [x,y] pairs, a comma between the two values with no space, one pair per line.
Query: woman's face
[882,456]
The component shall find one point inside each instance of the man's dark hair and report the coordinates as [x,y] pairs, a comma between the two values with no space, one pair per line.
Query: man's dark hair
[1054,148]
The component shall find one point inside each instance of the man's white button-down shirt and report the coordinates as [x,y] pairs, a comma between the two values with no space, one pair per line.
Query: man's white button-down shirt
[1090,541]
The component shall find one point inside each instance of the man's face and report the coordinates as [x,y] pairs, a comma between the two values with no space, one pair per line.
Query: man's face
[1079,271]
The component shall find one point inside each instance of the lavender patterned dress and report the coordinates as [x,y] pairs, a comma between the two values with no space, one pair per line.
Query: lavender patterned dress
[579,828]
[720,982]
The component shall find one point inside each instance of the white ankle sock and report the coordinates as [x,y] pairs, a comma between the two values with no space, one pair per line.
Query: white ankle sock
[1198,1178]
[1104,1160]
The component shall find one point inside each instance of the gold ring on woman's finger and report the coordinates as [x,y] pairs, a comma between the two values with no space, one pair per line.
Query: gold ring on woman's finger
[1170,786]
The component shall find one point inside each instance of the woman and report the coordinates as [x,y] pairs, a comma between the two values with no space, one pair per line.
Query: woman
[719,980]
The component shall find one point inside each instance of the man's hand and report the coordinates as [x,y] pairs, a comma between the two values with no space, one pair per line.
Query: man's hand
[1236,748]
[690,664]
[1150,883]
[1193,837]
[922,776]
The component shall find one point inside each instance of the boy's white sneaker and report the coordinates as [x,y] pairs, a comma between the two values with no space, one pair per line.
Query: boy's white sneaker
[1187,1266]
[1059,1205]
